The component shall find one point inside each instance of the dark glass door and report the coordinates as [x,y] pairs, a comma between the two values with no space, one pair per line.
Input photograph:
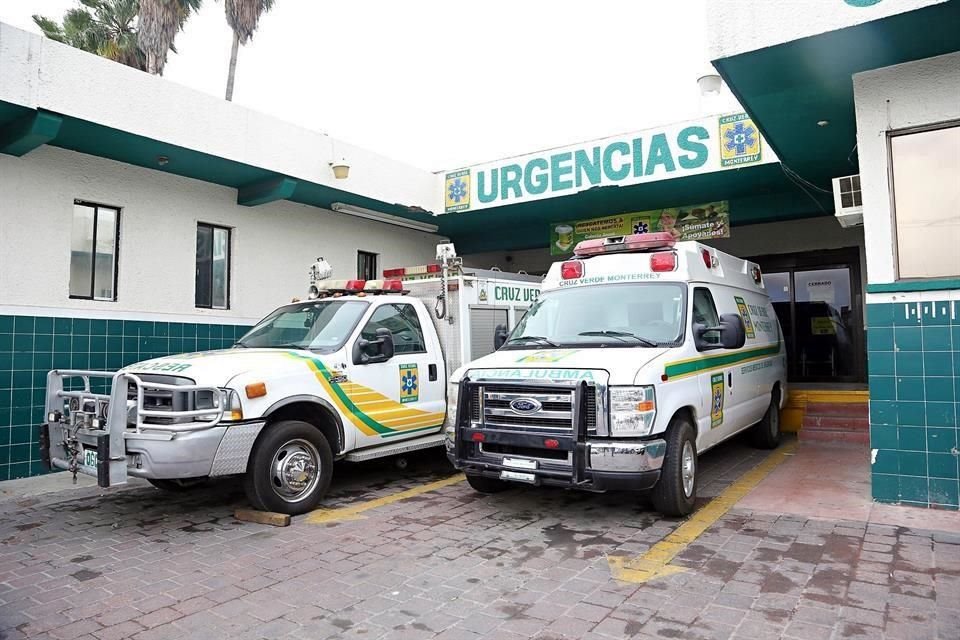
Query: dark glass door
[818,302]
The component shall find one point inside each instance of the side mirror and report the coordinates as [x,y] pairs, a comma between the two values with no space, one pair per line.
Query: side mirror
[500,335]
[380,349]
[700,331]
[733,333]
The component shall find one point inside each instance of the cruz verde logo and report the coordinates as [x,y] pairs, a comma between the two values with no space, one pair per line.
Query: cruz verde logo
[409,383]
[457,191]
[739,140]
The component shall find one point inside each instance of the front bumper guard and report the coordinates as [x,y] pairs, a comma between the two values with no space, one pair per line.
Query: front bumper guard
[94,423]
[593,464]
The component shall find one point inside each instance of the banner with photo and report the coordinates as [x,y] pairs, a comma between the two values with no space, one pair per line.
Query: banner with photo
[694,222]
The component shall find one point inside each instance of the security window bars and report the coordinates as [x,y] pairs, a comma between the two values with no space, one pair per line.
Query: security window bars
[213,267]
[367,265]
[926,197]
[93,251]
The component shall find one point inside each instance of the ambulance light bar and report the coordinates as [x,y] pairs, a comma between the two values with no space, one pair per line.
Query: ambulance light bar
[361,287]
[616,244]
[420,270]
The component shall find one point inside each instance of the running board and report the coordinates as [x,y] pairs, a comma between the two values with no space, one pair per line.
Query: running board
[392,449]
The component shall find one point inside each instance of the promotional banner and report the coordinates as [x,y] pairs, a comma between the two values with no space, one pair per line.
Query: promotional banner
[695,222]
[712,143]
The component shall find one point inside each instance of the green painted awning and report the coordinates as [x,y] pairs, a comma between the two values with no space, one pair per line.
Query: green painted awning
[789,88]
[255,185]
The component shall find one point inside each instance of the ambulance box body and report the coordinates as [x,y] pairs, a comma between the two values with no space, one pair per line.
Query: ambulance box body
[639,354]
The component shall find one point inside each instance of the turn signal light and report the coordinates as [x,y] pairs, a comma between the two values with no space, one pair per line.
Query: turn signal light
[256,389]
[664,261]
[571,270]
[478,437]
[646,405]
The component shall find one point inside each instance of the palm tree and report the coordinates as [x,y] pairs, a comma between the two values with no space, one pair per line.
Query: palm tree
[107,28]
[160,20]
[242,16]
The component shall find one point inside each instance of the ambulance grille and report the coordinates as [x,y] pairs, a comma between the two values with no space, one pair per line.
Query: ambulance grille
[555,414]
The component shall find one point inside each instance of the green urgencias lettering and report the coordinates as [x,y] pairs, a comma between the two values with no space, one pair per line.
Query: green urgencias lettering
[616,161]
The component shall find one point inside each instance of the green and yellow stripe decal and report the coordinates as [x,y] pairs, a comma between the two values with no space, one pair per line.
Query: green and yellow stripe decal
[370,411]
[693,366]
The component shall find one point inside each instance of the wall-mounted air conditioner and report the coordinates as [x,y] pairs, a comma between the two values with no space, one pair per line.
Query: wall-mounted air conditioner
[847,201]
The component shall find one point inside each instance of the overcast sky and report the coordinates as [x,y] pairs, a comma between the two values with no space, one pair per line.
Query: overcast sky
[443,84]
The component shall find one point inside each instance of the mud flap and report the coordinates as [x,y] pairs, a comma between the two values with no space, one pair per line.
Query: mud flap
[103,460]
[45,447]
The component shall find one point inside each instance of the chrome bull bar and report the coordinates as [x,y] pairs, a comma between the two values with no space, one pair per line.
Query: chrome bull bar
[93,423]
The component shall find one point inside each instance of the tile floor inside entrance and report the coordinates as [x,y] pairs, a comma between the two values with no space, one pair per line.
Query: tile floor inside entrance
[450,563]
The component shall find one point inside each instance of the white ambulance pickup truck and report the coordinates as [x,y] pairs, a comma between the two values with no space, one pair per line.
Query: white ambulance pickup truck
[639,354]
[356,372]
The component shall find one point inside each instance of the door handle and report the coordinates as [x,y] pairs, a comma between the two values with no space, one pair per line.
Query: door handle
[730,379]
[432,372]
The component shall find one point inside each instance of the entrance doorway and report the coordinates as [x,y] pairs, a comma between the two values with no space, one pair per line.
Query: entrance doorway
[818,301]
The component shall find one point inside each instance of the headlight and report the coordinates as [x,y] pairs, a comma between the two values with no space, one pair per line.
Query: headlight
[453,391]
[232,410]
[632,410]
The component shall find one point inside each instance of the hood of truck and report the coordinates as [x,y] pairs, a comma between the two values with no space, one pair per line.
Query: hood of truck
[218,368]
[621,364]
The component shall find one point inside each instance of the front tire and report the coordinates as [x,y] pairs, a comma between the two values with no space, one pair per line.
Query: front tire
[486,485]
[289,469]
[676,491]
[766,433]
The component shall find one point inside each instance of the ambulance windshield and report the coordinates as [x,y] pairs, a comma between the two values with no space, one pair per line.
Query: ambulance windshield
[622,315]
[319,326]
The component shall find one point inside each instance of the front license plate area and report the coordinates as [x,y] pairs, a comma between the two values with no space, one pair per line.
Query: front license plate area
[90,458]
[516,476]
[519,463]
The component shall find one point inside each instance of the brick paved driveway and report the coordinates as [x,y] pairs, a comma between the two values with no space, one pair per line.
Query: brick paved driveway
[453,564]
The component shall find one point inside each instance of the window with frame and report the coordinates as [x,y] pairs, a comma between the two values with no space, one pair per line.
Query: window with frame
[403,323]
[213,267]
[367,265]
[705,313]
[94,242]
[926,202]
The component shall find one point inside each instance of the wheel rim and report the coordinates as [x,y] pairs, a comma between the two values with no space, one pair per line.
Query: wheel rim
[688,469]
[295,470]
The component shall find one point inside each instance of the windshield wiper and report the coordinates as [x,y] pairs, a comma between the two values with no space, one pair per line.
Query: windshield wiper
[622,335]
[539,339]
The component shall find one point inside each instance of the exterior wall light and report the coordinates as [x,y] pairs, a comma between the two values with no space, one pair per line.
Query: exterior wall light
[710,84]
[341,170]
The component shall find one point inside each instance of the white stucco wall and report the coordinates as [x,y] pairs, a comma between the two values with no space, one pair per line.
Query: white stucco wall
[39,73]
[898,97]
[794,236]
[272,245]
[738,26]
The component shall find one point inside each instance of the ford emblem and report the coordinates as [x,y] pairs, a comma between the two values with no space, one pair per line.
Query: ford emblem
[525,406]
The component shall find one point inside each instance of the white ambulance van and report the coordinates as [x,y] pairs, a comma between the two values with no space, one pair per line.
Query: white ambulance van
[639,354]
[357,372]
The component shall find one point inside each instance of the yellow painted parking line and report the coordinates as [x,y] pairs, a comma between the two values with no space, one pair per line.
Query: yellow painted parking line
[352,512]
[655,563]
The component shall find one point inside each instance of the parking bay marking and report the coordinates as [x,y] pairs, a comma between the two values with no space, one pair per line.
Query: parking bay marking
[655,563]
[352,512]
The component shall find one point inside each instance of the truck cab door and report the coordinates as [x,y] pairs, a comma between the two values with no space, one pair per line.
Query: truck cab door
[401,396]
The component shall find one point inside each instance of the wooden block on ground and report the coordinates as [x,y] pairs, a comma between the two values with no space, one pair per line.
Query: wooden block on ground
[262,517]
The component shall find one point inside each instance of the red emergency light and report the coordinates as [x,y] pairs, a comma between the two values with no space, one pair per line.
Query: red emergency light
[663,261]
[355,285]
[615,244]
[571,270]
[420,270]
